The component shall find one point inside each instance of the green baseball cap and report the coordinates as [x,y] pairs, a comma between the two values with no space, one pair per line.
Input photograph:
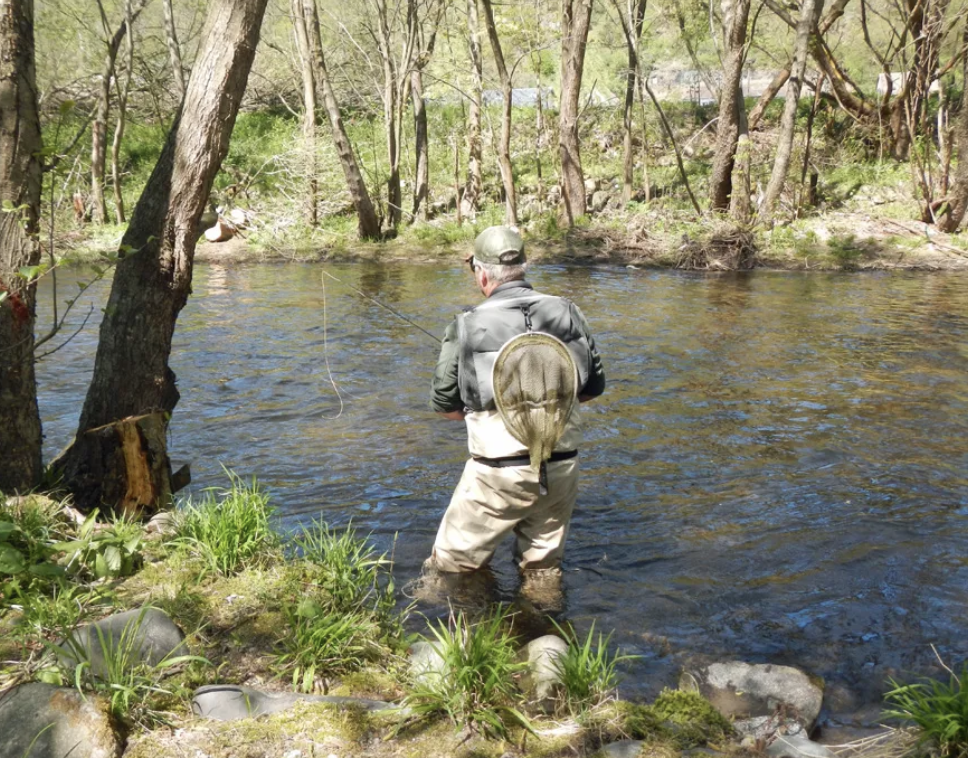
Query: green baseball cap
[499,245]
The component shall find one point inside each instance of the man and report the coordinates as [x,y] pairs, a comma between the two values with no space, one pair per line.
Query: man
[502,489]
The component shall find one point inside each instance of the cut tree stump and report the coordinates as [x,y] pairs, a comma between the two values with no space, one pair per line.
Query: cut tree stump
[124,468]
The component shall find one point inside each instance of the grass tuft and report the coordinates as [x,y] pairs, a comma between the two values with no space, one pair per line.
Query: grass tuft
[939,709]
[587,670]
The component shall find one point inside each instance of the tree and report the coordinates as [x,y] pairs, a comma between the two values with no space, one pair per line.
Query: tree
[507,92]
[301,18]
[174,50]
[732,109]
[153,277]
[958,203]
[809,12]
[419,20]
[576,17]
[635,18]
[474,149]
[20,188]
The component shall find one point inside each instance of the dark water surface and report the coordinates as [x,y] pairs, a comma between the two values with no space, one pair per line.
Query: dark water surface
[778,470]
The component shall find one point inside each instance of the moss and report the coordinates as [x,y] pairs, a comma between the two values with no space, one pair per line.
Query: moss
[690,719]
[371,683]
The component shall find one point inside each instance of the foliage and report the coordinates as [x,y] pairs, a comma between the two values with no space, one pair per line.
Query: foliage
[475,688]
[689,718]
[27,555]
[127,683]
[229,529]
[939,709]
[105,552]
[587,669]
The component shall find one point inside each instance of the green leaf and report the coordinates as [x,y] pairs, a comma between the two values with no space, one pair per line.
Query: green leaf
[112,557]
[30,272]
[132,545]
[100,566]
[47,570]
[6,527]
[66,107]
[11,561]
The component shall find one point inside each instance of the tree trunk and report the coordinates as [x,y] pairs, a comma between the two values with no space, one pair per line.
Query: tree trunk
[301,19]
[576,18]
[368,223]
[153,277]
[637,15]
[20,187]
[422,178]
[119,124]
[735,18]
[809,12]
[174,51]
[769,94]
[951,220]
[474,149]
[504,149]
[391,105]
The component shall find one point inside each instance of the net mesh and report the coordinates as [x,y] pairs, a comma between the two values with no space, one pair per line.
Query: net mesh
[535,387]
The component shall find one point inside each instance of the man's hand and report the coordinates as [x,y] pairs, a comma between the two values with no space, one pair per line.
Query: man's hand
[454,415]
[586,398]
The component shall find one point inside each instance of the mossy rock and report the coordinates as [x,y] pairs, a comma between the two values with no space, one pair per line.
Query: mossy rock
[689,719]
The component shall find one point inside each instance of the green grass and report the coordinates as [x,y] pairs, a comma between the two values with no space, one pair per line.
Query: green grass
[229,529]
[587,670]
[476,689]
[939,709]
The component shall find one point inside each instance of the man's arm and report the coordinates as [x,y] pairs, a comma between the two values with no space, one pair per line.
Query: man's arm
[595,385]
[444,391]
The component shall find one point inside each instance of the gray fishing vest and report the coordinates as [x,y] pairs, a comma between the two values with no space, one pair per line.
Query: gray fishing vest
[483,330]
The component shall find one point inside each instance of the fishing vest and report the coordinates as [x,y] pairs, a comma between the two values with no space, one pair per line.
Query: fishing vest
[483,331]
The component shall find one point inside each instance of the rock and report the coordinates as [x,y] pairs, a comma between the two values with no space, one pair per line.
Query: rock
[146,635]
[162,524]
[743,690]
[766,727]
[221,231]
[44,721]
[599,201]
[592,185]
[543,681]
[426,663]
[622,749]
[797,746]
[229,702]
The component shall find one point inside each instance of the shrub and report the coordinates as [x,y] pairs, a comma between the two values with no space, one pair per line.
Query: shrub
[106,553]
[229,529]
[939,709]
[476,688]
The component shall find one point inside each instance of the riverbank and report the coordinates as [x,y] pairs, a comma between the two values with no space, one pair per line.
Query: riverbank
[203,633]
[835,241]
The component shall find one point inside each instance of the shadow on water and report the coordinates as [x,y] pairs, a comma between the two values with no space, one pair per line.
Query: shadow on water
[777,472]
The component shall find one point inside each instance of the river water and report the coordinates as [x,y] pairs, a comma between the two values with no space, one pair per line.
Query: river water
[778,471]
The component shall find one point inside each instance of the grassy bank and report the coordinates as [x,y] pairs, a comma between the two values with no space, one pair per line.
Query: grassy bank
[319,613]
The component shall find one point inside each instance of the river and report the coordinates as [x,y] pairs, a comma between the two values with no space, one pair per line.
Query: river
[778,470]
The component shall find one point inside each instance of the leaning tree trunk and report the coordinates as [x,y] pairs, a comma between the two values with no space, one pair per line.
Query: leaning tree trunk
[637,17]
[576,18]
[174,51]
[474,148]
[809,12]
[20,186]
[152,282]
[504,150]
[950,221]
[735,17]
[368,223]
[768,96]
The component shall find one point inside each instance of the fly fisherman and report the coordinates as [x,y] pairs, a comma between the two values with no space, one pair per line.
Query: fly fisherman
[513,368]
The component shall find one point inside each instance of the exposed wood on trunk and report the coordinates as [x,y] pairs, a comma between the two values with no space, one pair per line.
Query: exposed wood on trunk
[20,187]
[474,146]
[174,51]
[809,12]
[731,107]
[151,284]
[504,149]
[368,221]
[576,18]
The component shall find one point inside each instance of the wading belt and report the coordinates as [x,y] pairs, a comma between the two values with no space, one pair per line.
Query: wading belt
[525,460]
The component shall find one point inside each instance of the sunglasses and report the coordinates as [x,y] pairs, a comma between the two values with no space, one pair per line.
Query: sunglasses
[472,263]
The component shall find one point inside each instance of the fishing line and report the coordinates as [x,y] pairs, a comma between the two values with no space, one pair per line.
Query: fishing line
[326,355]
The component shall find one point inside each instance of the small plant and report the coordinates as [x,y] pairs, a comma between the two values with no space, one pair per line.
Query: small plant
[120,676]
[26,551]
[229,529]
[108,552]
[321,640]
[587,670]
[476,687]
[939,709]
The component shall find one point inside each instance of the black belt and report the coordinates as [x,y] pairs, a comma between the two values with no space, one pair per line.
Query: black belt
[524,460]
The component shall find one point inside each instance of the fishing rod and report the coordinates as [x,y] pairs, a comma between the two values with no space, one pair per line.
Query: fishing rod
[384,306]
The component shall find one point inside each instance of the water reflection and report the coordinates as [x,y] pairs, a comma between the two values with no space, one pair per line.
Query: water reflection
[778,470]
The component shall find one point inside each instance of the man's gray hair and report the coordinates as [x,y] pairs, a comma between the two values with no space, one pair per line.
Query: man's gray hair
[500,274]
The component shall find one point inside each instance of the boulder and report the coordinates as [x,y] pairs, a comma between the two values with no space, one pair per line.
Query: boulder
[44,721]
[542,682]
[145,635]
[229,702]
[743,690]
[162,525]
[426,663]
[622,749]
[599,201]
[765,728]
[797,746]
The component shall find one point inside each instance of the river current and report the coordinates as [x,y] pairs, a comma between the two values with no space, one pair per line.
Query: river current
[778,471]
